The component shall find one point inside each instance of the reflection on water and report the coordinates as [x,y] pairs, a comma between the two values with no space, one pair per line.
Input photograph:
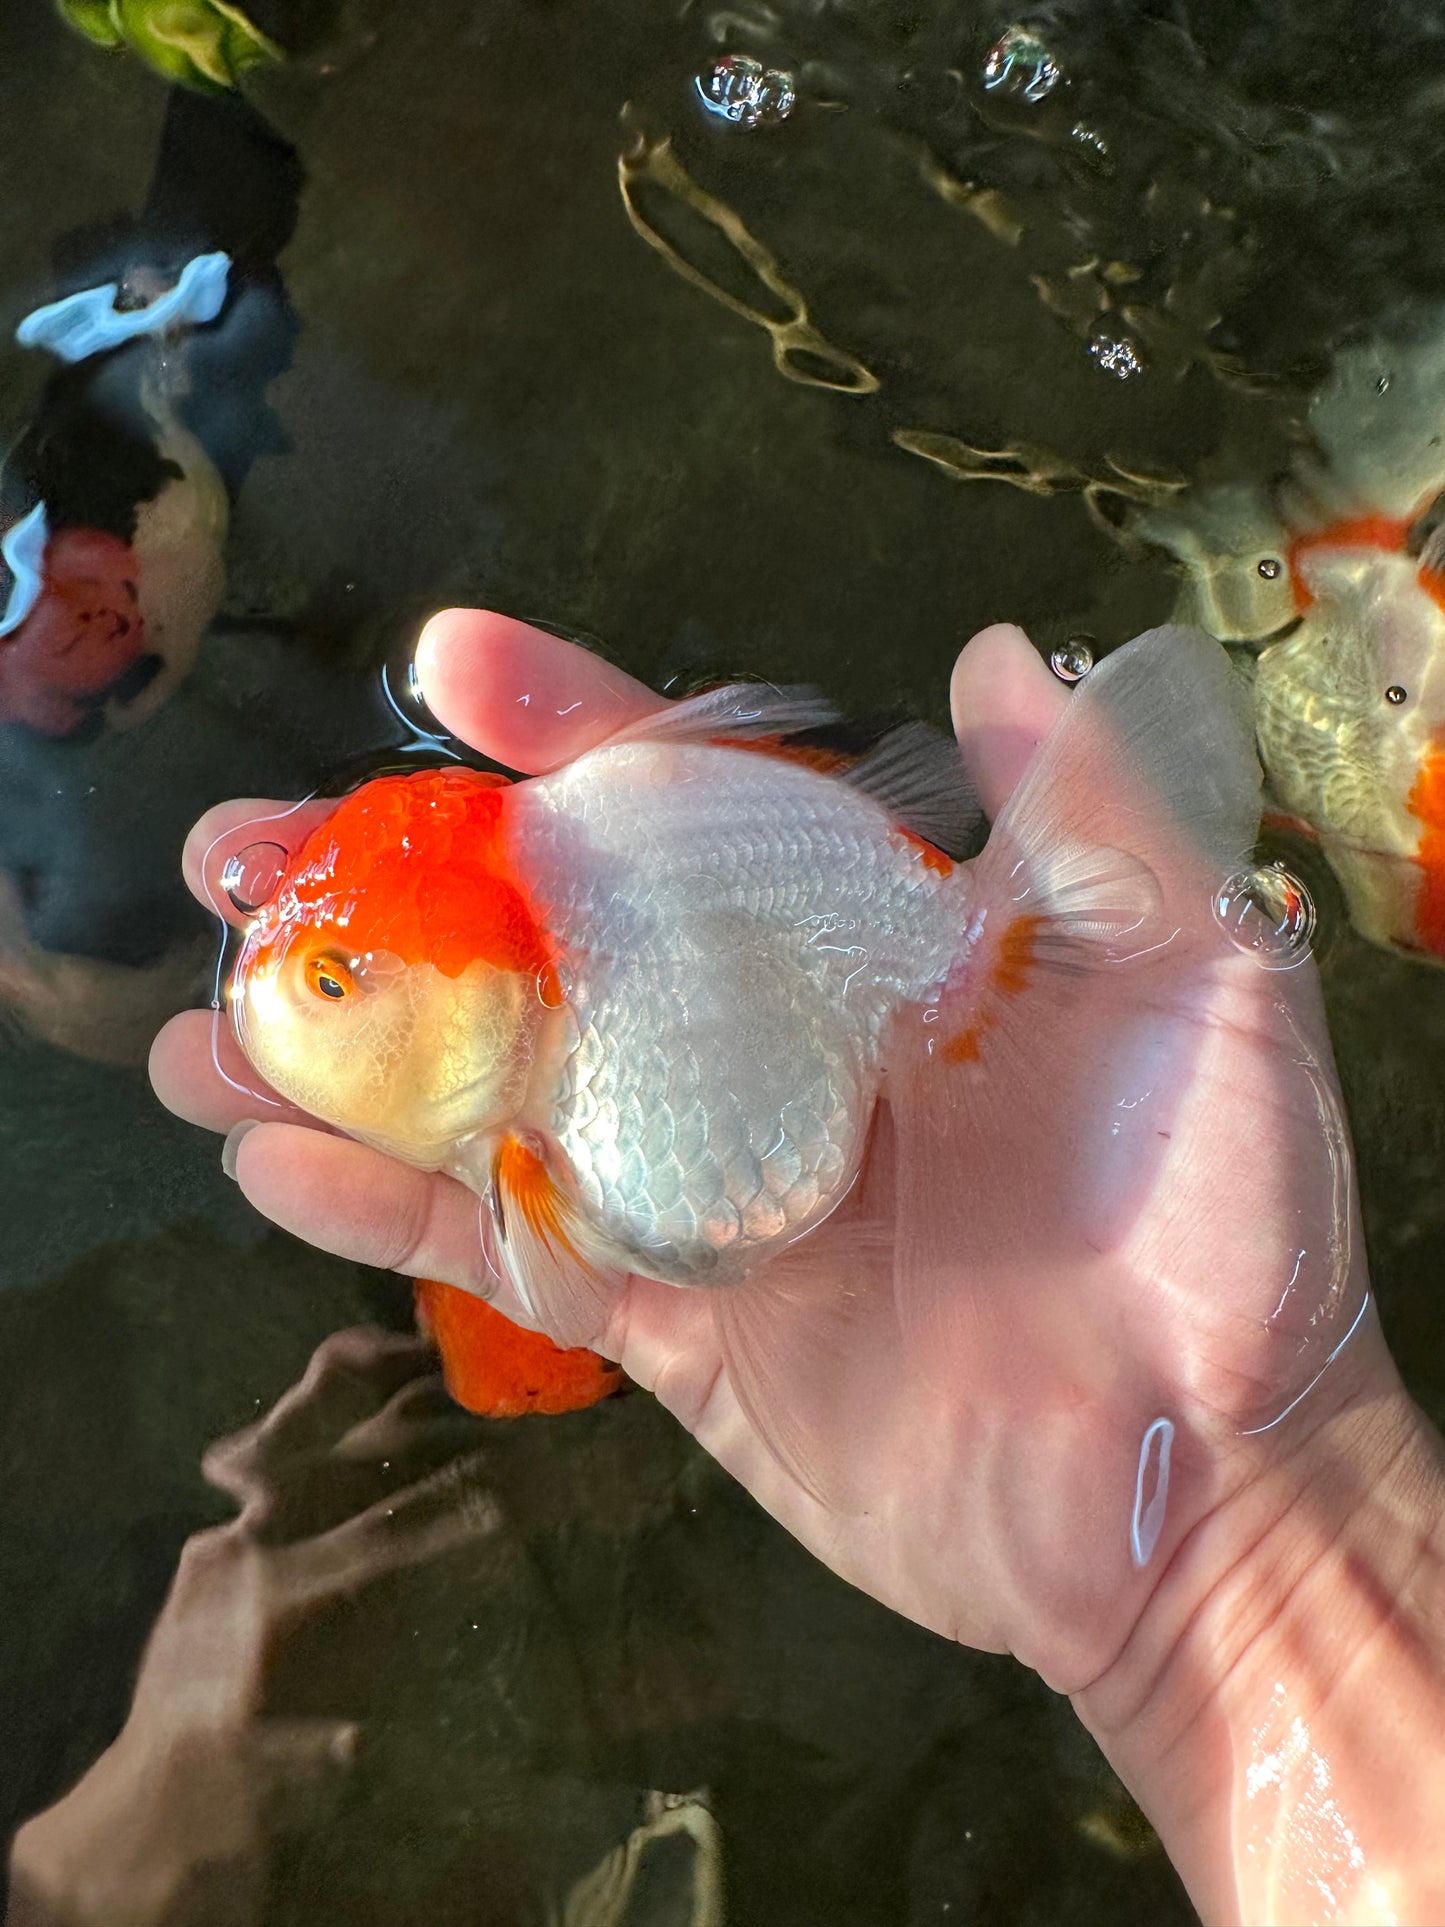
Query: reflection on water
[486,340]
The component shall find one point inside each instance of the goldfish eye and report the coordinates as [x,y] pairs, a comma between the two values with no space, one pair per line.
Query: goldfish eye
[330,976]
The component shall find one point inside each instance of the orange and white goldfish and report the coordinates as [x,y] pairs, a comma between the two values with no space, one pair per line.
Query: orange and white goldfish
[499,1369]
[645,1005]
[1335,577]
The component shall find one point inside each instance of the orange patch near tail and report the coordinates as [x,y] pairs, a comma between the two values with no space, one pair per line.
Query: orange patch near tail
[1427,802]
[1010,973]
[929,853]
[1386,532]
[827,762]
[499,1370]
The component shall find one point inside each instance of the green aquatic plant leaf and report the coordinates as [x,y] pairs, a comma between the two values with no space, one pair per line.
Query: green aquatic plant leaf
[205,44]
[92,18]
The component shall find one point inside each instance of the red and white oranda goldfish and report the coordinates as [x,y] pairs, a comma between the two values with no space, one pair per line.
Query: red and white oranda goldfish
[645,1005]
[1335,576]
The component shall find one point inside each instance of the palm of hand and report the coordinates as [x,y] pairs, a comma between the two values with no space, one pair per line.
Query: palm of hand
[1013,1493]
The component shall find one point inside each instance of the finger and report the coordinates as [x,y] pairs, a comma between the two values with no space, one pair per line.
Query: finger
[350,1377]
[1005,701]
[417,1428]
[363,1205]
[302,1767]
[529,700]
[308,1494]
[231,828]
[454,1506]
[198,1071]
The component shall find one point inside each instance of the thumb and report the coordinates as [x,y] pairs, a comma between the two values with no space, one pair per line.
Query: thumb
[1004,704]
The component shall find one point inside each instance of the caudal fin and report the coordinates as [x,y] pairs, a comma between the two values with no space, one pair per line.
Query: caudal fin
[1029,1099]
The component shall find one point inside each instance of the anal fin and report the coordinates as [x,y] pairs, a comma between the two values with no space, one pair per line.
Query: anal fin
[807,1342]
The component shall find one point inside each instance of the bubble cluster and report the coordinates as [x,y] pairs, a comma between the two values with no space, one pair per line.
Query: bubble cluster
[742,91]
[1268,912]
[1019,66]
[1117,356]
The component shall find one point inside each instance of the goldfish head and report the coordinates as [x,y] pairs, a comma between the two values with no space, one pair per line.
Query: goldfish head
[396,983]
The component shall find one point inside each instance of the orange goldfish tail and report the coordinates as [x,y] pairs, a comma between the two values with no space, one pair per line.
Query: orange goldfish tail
[500,1370]
[1013,1093]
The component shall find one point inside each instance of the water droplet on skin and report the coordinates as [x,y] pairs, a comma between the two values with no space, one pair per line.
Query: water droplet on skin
[1019,66]
[554,984]
[1268,913]
[401,689]
[1151,1490]
[1117,356]
[1397,694]
[1072,660]
[253,875]
[744,93]
[1270,568]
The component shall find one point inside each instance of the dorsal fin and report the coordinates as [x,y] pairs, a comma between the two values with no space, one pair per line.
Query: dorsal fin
[916,774]
[919,778]
[739,711]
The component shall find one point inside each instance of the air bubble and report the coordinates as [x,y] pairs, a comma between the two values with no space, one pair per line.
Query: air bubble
[1072,660]
[1020,67]
[1090,141]
[1269,913]
[1397,694]
[1382,385]
[1117,356]
[743,92]
[253,875]
[1270,568]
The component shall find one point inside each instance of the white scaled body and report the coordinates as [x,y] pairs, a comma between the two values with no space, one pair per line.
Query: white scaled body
[739,931]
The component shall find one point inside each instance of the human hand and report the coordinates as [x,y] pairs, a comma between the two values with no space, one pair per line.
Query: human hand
[356,1473]
[1000,1484]
[990,1489]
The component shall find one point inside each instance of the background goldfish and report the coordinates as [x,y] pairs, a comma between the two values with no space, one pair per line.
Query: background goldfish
[644,1006]
[1333,576]
[112,617]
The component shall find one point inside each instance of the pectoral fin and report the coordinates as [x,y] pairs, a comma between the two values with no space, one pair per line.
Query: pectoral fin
[568,1276]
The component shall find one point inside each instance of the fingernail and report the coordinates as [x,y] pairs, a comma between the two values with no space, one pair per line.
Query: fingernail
[232,1144]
